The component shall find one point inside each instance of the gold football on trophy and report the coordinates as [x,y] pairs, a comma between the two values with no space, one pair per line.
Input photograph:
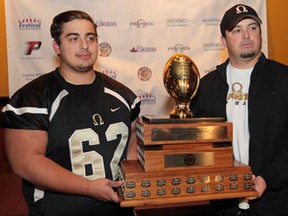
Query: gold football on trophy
[181,80]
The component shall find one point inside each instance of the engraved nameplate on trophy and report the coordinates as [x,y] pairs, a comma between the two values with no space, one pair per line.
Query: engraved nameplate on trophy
[183,132]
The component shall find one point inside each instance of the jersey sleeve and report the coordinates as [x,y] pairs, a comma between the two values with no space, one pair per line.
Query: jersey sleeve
[28,107]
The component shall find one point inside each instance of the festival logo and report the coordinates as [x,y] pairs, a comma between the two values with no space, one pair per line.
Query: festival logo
[147,99]
[29,24]
[110,73]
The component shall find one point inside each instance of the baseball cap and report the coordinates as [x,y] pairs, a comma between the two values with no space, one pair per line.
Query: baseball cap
[235,14]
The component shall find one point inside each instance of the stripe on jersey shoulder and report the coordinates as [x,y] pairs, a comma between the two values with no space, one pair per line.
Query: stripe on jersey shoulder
[56,103]
[23,110]
[137,100]
[119,97]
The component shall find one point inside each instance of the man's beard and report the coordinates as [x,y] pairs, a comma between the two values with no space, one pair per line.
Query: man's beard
[84,68]
[247,55]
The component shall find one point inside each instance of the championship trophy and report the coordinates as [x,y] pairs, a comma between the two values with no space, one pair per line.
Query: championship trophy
[181,80]
[181,158]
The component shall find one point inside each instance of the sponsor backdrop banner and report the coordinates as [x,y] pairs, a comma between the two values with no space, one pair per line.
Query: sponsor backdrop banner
[136,39]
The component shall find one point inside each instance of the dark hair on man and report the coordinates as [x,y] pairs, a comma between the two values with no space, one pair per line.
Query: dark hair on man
[67,16]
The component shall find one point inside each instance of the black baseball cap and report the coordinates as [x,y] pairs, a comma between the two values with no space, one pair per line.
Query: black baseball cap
[235,14]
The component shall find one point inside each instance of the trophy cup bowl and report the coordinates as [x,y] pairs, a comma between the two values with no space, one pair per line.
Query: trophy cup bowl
[181,79]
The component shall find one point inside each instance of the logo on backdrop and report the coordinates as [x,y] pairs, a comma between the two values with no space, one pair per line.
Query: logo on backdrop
[179,48]
[178,22]
[104,49]
[147,98]
[213,46]
[102,23]
[141,23]
[110,73]
[211,21]
[30,76]
[208,70]
[31,46]
[29,24]
[142,49]
[144,73]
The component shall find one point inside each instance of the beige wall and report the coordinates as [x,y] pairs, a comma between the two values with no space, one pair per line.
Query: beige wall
[277,16]
[3,54]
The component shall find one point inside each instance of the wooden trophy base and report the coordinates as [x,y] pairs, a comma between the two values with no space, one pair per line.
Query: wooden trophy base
[183,160]
[181,157]
[142,188]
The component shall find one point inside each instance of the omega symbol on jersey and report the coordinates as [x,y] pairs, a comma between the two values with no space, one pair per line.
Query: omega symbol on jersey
[237,93]
[97,119]
[237,87]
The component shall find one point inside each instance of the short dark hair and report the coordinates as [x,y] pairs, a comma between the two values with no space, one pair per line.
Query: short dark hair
[67,16]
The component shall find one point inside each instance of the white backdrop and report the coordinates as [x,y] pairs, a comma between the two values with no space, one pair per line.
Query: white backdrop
[136,38]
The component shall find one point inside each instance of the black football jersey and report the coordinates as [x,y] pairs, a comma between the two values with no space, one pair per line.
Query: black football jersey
[88,131]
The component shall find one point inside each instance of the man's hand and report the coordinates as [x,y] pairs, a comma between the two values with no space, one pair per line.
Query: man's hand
[104,190]
[259,185]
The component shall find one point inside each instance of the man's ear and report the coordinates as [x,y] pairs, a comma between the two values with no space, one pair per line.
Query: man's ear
[56,47]
[223,40]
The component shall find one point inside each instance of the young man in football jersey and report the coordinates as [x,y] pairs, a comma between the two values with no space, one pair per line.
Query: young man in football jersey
[68,130]
[250,91]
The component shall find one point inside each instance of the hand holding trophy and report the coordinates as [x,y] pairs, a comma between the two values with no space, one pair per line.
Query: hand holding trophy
[181,80]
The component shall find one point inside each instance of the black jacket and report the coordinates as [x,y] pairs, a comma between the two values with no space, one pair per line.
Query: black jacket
[268,126]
